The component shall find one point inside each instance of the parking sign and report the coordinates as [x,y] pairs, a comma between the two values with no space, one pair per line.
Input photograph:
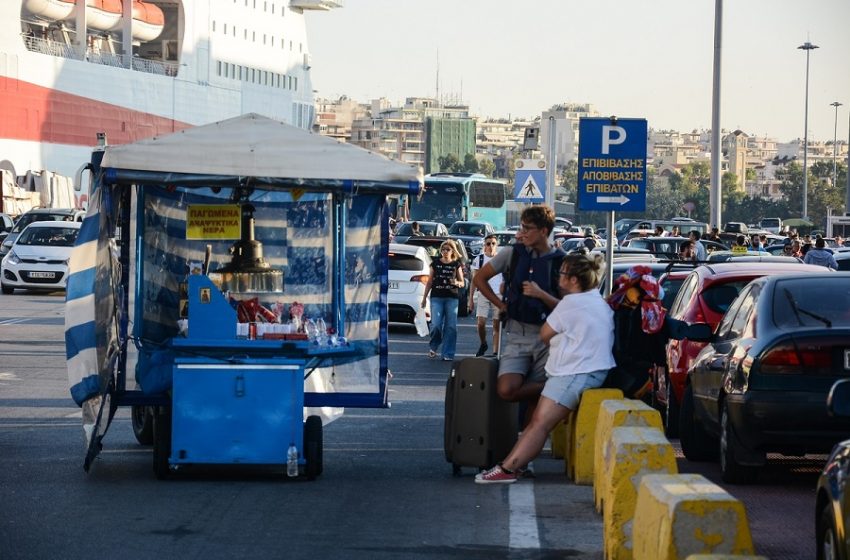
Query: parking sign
[612,164]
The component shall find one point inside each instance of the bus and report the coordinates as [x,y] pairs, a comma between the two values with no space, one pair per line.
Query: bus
[449,197]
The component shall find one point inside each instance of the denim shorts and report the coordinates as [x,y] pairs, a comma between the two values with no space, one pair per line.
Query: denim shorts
[566,390]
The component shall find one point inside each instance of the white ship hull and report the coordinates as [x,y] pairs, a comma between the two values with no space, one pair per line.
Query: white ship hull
[53,105]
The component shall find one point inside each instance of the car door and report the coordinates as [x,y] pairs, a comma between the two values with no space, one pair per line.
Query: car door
[713,362]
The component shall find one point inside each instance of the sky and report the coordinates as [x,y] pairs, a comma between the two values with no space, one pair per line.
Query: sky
[649,59]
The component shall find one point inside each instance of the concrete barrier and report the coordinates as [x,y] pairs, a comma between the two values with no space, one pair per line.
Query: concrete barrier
[632,452]
[583,432]
[679,515]
[558,437]
[725,557]
[615,414]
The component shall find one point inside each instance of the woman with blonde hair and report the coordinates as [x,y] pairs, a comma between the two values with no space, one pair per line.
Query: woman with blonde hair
[580,334]
[446,278]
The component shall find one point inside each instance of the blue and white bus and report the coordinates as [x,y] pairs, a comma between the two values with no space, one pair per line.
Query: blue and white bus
[449,197]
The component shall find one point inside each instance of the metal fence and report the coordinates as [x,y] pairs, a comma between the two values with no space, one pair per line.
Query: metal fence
[64,50]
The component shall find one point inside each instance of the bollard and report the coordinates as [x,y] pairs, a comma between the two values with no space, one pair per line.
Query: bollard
[558,436]
[580,450]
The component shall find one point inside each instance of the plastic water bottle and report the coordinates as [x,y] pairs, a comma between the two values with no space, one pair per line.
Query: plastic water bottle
[311,330]
[322,334]
[292,461]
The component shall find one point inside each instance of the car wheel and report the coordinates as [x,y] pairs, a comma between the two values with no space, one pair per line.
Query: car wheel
[730,470]
[8,290]
[697,445]
[671,427]
[827,544]
[142,424]
[162,442]
[313,447]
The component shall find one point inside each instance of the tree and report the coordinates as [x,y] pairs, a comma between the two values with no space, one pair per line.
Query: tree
[470,164]
[486,167]
[449,163]
[822,194]
[569,180]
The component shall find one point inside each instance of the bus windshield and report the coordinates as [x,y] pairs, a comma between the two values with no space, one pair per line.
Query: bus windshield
[441,202]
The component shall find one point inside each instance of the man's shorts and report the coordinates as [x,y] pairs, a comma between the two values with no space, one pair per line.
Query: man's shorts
[522,351]
[566,390]
[484,307]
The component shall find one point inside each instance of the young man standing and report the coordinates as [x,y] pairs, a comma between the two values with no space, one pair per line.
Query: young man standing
[530,295]
[483,306]
[699,248]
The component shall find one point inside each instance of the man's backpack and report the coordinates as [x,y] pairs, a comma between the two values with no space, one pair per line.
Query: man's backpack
[529,313]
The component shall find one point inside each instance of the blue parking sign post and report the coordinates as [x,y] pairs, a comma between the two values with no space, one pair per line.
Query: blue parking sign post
[612,164]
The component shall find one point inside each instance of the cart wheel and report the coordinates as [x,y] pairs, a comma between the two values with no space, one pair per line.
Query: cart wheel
[161,441]
[313,446]
[142,424]
[456,470]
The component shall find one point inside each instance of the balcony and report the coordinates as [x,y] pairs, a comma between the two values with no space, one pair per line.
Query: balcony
[317,4]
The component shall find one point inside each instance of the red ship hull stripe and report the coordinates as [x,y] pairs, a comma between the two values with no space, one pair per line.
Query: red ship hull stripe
[38,114]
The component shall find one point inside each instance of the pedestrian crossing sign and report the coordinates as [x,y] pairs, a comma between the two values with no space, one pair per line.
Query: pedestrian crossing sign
[530,181]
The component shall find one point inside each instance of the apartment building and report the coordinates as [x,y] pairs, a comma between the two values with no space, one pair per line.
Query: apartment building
[334,117]
[565,118]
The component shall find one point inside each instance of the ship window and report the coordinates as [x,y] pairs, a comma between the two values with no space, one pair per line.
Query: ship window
[296,84]
[265,6]
[264,38]
[234,31]
[272,40]
[245,35]
[254,36]
[213,25]
[225,29]
[300,47]
[254,75]
[290,45]
[218,67]
[272,8]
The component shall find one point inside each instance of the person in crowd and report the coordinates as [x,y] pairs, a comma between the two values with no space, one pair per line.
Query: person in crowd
[530,268]
[445,280]
[700,253]
[414,229]
[796,249]
[659,231]
[484,308]
[820,255]
[714,235]
[787,250]
[686,251]
[839,241]
[675,232]
[755,244]
[580,336]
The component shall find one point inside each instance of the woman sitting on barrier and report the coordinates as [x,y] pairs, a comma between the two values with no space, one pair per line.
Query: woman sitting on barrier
[580,332]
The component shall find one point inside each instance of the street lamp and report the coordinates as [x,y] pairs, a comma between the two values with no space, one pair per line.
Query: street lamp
[835,104]
[807,46]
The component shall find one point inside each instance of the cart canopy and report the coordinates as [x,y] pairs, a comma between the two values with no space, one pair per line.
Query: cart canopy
[321,213]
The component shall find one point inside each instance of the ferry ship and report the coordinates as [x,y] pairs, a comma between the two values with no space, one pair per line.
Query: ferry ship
[71,70]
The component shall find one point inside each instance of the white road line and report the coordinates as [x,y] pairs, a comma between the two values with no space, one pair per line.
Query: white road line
[15,321]
[523,511]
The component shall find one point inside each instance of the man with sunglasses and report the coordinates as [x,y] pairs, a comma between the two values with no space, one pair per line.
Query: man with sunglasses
[483,306]
[530,294]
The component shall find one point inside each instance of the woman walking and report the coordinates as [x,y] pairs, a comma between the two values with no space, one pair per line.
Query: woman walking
[446,278]
[580,334]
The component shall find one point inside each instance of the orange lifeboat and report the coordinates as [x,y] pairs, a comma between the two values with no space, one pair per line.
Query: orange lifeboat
[103,15]
[148,21]
[50,9]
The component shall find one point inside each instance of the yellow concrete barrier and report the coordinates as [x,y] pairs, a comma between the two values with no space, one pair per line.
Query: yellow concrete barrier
[725,557]
[632,453]
[615,414]
[679,515]
[558,436]
[583,432]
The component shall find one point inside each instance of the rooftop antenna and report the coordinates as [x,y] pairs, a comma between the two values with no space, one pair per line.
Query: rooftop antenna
[438,78]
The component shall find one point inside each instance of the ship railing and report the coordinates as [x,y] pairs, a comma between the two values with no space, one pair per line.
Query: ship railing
[64,50]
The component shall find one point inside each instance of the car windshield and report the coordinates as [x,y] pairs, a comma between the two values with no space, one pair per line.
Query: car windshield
[27,219]
[404,262]
[424,228]
[718,297]
[467,229]
[811,302]
[52,236]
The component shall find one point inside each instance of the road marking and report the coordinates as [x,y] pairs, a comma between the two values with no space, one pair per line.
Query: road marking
[523,520]
[14,321]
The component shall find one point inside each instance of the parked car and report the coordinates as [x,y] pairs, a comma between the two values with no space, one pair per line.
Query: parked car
[409,271]
[472,235]
[736,228]
[668,247]
[704,296]
[38,259]
[6,225]
[40,215]
[432,247]
[832,505]
[749,256]
[843,260]
[405,230]
[772,225]
[760,384]
[506,237]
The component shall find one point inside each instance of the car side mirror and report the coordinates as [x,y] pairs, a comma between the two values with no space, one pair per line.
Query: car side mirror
[838,400]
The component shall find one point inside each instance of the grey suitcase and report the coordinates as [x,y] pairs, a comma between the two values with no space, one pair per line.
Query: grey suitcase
[480,428]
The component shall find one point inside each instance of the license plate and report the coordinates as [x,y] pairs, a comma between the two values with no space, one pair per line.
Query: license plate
[393,285]
[42,275]
[847,359]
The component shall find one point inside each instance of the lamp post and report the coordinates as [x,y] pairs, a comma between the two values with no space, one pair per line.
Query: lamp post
[807,46]
[835,104]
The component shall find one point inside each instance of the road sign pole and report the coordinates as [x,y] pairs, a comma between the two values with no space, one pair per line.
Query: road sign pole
[609,254]
[552,164]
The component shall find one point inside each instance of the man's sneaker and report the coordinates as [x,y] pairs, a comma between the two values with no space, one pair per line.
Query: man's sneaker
[481,350]
[527,472]
[496,475]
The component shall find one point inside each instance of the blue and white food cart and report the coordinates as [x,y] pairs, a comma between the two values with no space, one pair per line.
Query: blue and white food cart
[204,257]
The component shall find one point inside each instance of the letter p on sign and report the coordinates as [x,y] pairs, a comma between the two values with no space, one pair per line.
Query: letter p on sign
[612,136]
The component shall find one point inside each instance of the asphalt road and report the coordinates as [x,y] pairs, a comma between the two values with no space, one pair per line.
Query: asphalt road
[386,490]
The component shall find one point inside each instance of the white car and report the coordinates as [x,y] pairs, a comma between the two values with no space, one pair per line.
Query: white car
[410,269]
[38,259]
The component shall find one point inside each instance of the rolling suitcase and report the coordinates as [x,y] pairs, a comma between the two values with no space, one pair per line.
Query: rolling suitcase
[480,428]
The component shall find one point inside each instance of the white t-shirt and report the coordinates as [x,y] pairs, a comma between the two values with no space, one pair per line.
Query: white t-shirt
[496,280]
[585,326]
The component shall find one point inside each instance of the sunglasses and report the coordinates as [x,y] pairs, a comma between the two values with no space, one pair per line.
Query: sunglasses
[491,243]
[445,249]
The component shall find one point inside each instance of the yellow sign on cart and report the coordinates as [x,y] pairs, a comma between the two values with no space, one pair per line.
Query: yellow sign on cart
[213,221]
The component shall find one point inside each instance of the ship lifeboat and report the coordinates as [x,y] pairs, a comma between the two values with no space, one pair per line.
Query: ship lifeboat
[148,21]
[50,9]
[103,15]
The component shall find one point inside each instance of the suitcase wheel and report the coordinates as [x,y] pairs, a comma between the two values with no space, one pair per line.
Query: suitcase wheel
[455,469]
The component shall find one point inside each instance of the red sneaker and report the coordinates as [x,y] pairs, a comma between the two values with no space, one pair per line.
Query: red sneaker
[496,475]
